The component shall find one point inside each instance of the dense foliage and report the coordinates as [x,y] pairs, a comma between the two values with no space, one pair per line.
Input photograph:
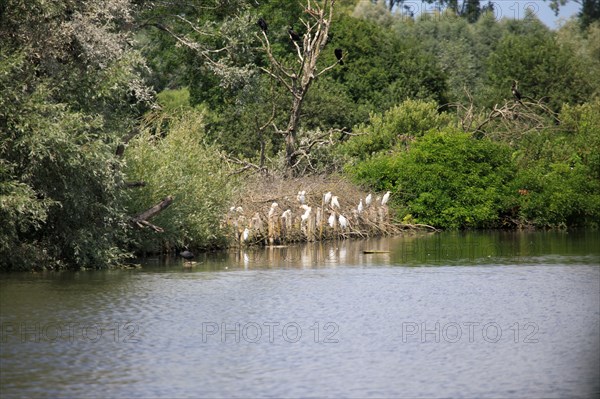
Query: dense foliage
[449,178]
[70,89]
[183,166]
[560,169]
[96,94]
[446,179]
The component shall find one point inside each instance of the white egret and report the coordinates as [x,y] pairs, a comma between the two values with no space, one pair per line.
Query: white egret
[385,198]
[306,214]
[246,234]
[360,206]
[327,197]
[343,221]
[334,202]
[331,220]
[368,200]
[274,205]
[301,197]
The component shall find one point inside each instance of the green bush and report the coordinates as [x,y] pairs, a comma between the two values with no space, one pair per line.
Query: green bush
[409,119]
[582,124]
[59,189]
[445,178]
[173,101]
[558,195]
[559,169]
[181,165]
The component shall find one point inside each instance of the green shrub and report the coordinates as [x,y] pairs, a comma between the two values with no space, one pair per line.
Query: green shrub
[181,165]
[384,131]
[173,101]
[59,189]
[558,195]
[446,179]
[559,169]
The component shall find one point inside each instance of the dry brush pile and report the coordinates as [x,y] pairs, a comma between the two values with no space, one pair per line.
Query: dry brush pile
[271,211]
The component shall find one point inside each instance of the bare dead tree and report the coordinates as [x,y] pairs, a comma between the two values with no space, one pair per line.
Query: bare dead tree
[508,121]
[297,80]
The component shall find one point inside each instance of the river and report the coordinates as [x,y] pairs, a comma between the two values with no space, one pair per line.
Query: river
[464,315]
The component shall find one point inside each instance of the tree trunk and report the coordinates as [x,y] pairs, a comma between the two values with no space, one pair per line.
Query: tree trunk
[314,41]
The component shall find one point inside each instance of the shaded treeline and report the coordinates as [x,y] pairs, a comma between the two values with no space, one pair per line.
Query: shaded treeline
[110,108]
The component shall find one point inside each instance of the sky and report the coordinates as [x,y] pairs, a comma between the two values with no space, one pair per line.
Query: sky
[515,9]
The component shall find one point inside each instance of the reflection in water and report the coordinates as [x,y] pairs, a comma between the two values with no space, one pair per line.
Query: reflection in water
[325,319]
[313,255]
[453,248]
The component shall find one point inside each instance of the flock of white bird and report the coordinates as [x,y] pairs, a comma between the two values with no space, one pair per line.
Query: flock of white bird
[329,200]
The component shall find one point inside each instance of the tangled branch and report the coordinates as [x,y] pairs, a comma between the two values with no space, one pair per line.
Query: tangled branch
[512,116]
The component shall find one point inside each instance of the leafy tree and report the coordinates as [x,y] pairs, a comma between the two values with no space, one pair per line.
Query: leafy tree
[381,69]
[471,10]
[375,11]
[543,69]
[585,46]
[455,46]
[71,90]
[329,105]
[589,13]
[63,179]
[559,171]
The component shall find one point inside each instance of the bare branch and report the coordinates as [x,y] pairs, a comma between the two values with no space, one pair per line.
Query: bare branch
[328,68]
[246,165]
[194,28]
[133,184]
[194,45]
[145,223]
[512,116]
[267,46]
[141,220]
[278,77]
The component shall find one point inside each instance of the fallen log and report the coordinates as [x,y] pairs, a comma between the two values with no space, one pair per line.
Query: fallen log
[141,220]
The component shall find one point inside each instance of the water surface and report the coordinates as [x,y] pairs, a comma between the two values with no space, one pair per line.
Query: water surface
[447,315]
